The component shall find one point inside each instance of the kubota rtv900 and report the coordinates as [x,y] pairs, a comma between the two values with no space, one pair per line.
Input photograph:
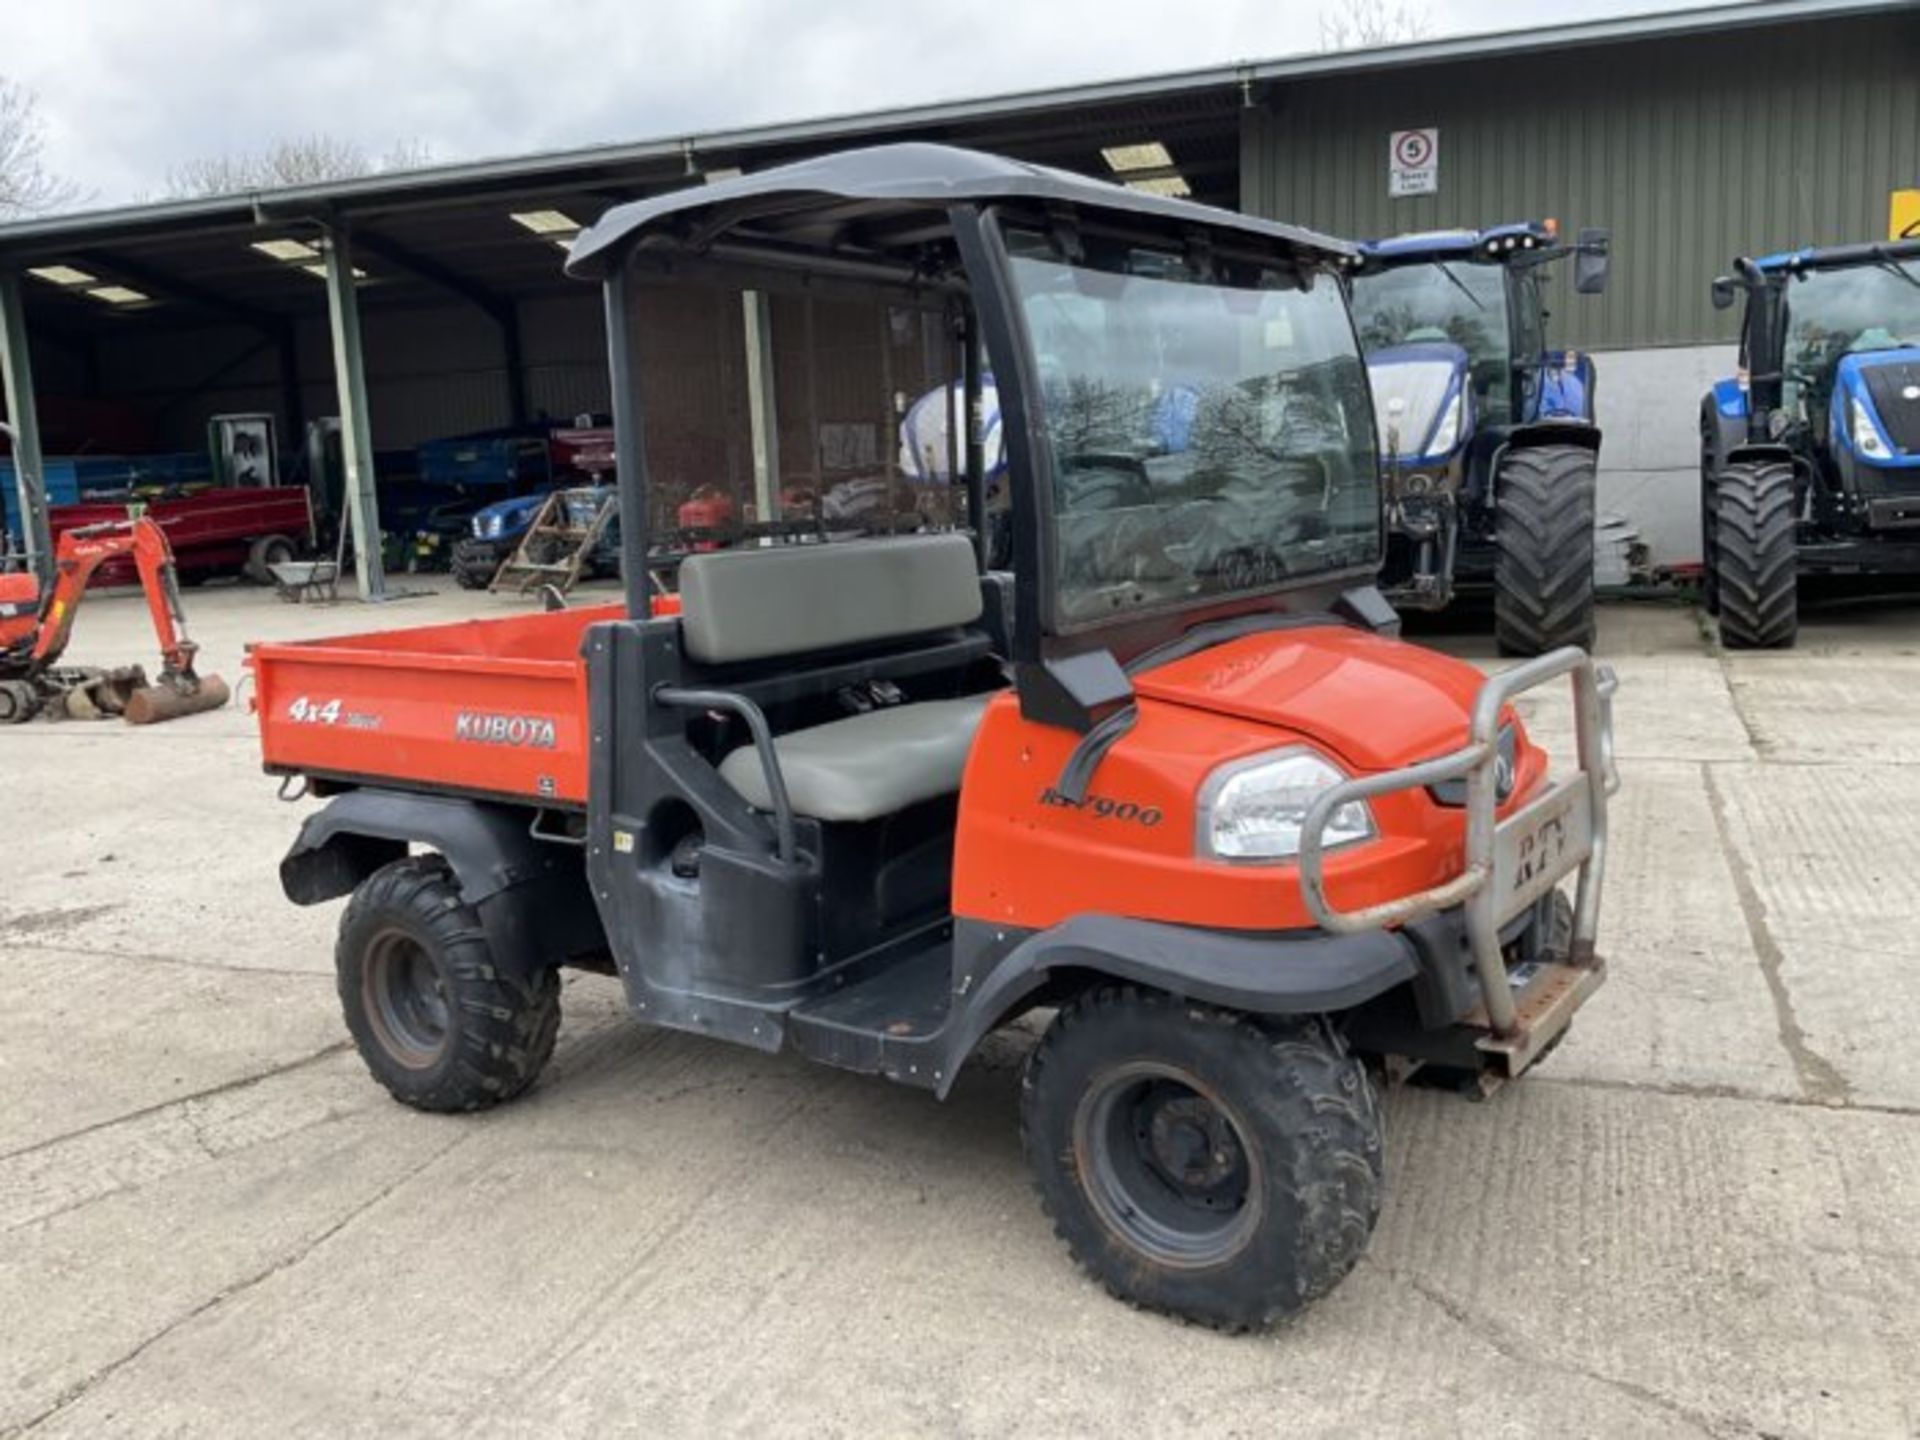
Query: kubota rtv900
[1172,779]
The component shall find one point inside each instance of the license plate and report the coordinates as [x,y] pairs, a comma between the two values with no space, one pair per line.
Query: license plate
[1535,849]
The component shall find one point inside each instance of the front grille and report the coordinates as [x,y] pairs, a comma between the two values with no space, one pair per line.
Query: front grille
[1888,385]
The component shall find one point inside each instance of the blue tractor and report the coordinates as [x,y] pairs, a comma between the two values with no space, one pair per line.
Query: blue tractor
[1487,438]
[1810,454]
[493,533]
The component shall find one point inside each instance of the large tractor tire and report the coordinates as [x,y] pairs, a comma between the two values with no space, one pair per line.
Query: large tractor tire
[435,1020]
[1201,1162]
[1709,474]
[1543,561]
[474,563]
[1754,558]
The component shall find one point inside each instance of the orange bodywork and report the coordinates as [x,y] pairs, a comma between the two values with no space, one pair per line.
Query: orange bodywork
[486,707]
[499,708]
[1027,859]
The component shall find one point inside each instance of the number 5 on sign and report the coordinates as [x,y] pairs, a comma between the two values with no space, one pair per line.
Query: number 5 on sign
[1903,215]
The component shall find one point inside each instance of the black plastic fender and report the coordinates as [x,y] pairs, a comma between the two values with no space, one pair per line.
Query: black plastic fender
[1583,434]
[1311,973]
[531,894]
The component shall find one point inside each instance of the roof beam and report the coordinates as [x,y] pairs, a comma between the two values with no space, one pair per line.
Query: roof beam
[159,283]
[434,272]
[497,307]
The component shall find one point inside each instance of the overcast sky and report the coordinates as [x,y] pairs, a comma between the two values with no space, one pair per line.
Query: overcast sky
[130,88]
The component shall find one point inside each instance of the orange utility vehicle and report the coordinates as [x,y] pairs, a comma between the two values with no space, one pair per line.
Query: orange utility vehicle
[1172,779]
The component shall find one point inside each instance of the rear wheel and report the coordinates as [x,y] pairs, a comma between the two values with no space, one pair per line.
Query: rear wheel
[1709,469]
[435,1020]
[265,553]
[1754,556]
[19,701]
[1199,1162]
[1543,562]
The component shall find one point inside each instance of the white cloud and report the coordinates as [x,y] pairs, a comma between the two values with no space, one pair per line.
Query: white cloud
[130,88]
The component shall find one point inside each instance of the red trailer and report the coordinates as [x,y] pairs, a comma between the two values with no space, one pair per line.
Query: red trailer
[225,530]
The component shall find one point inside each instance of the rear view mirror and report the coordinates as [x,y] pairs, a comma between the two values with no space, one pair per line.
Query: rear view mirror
[1723,293]
[1592,254]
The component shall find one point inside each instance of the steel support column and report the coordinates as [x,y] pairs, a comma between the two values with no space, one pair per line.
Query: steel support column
[16,374]
[762,413]
[362,507]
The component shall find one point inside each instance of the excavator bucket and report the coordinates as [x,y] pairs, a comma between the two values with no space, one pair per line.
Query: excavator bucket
[151,704]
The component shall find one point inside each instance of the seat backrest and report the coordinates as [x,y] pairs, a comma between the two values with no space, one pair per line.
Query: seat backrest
[739,605]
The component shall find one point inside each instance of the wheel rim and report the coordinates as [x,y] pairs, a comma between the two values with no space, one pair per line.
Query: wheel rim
[406,1000]
[1165,1163]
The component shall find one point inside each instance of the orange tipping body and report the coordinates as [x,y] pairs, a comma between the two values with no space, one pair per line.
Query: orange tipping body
[492,707]
[1026,857]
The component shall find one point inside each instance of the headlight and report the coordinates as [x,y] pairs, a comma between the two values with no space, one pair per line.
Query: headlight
[1253,809]
[488,527]
[1866,438]
[1448,434]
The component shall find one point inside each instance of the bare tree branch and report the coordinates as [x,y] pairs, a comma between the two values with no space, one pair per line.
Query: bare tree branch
[302,160]
[1363,24]
[27,185]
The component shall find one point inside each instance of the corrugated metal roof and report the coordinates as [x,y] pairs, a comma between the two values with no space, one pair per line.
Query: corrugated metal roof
[399,189]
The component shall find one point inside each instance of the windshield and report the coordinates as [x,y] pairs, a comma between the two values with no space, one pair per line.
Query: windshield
[1835,313]
[1208,437]
[1457,303]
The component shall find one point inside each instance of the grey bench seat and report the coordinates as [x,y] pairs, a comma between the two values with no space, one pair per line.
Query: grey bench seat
[867,765]
[776,607]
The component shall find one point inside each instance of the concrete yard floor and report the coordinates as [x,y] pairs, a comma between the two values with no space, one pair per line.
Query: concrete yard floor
[1700,1217]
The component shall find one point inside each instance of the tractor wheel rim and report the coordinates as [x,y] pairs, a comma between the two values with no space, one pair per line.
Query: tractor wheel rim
[406,999]
[1164,1161]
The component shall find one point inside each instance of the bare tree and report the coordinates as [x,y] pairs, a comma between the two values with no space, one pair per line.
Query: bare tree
[1363,24]
[27,185]
[303,160]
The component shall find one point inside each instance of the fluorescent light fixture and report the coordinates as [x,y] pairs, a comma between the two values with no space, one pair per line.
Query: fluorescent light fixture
[564,244]
[118,295]
[545,222]
[1124,158]
[62,275]
[319,272]
[1170,185]
[292,251]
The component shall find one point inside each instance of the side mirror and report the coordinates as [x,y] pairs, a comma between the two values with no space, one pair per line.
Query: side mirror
[1592,254]
[1723,296]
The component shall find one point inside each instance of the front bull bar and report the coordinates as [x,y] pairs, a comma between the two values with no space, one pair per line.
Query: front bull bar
[1510,862]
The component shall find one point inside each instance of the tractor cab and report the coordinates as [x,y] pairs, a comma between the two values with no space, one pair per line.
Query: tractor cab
[1453,323]
[1817,435]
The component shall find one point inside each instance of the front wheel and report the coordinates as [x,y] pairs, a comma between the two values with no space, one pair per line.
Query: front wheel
[1543,561]
[434,1019]
[1755,556]
[474,563]
[1200,1162]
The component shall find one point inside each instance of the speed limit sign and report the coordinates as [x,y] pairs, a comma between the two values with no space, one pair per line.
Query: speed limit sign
[1413,162]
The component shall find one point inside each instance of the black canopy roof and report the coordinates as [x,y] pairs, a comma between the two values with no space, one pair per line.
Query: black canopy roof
[907,177]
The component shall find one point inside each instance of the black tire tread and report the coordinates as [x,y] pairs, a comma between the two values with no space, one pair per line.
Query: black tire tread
[472,569]
[506,1028]
[1543,560]
[1755,557]
[1319,1091]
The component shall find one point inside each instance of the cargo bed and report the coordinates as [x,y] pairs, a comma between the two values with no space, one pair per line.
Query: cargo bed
[493,708]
